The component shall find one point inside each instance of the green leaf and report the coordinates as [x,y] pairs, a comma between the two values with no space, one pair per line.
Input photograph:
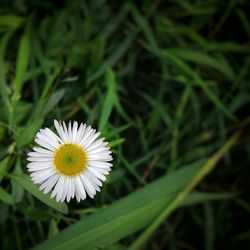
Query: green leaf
[21,70]
[25,182]
[114,57]
[53,229]
[206,168]
[197,79]
[22,60]
[3,82]
[11,21]
[109,99]
[198,197]
[35,214]
[17,190]
[53,101]
[116,142]
[144,25]
[5,196]
[202,58]
[28,133]
[129,214]
[4,165]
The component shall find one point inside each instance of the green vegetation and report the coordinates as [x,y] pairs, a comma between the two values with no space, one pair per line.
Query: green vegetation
[168,85]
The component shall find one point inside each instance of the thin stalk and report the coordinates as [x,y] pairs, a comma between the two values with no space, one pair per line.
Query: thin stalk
[209,165]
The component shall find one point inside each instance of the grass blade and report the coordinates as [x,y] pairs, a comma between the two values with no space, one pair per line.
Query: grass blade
[11,21]
[3,84]
[208,166]
[28,133]
[109,101]
[202,84]
[130,213]
[5,196]
[204,59]
[114,57]
[21,69]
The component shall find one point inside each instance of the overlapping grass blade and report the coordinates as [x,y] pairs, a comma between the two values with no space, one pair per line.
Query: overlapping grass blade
[100,229]
[201,58]
[208,166]
[200,82]
[128,214]
[115,56]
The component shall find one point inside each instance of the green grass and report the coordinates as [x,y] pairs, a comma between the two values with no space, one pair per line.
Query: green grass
[167,84]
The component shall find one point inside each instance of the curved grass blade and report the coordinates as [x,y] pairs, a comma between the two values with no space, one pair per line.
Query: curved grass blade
[208,166]
[129,214]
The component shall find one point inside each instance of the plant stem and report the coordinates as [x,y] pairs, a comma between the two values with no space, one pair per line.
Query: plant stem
[205,169]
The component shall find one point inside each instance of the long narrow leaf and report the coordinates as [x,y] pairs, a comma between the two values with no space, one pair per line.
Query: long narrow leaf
[130,213]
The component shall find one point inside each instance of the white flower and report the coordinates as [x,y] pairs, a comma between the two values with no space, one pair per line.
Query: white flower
[71,164]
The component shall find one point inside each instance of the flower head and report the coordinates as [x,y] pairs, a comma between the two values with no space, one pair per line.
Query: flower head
[71,164]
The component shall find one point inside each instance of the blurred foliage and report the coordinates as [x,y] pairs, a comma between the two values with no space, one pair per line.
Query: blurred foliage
[167,83]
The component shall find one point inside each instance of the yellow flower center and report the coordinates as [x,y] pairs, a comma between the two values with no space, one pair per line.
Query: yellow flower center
[70,159]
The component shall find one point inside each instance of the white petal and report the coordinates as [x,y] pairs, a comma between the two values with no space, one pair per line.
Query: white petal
[38,154]
[48,139]
[70,133]
[38,164]
[78,197]
[50,183]
[97,174]
[103,153]
[58,186]
[60,131]
[80,187]
[42,150]
[98,150]
[80,133]
[88,186]
[69,194]
[74,132]
[100,157]
[94,181]
[40,176]
[44,159]
[87,133]
[100,164]
[93,178]
[33,168]
[65,189]
[100,170]
[98,143]
[52,135]
[44,144]
[66,132]
[60,191]
[72,188]
[91,139]
[78,192]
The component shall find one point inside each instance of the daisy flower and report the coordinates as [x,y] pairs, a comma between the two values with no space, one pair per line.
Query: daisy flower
[71,164]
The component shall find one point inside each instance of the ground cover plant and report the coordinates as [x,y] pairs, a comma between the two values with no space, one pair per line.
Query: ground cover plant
[168,85]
